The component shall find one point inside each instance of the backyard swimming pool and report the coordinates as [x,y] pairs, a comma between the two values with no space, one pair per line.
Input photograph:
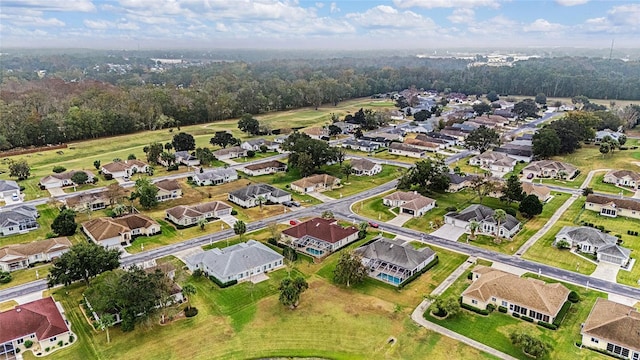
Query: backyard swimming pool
[390,279]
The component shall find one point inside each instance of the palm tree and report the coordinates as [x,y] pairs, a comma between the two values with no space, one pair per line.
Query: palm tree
[168,158]
[261,200]
[347,170]
[499,216]
[105,322]
[327,214]
[473,227]
[187,291]
[119,209]
[202,223]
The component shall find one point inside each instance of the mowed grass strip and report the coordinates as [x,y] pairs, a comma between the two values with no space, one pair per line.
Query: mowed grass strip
[598,185]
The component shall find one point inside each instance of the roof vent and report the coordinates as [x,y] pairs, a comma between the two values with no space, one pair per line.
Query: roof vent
[18,310]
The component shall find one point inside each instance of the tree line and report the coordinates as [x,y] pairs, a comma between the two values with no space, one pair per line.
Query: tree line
[52,110]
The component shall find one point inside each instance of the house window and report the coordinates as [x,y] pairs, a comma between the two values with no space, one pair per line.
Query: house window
[20,341]
[493,299]
[636,356]
[53,339]
[594,340]
[504,303]
[475,302]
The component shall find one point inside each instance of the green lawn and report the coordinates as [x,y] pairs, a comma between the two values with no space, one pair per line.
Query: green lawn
[385,155]
[259,155]
[465,168]
[47,214]
[358,184]
[544,252]
[516,170]
[598,185]
[576,183]
[24,276]
[494,330]
[374,208]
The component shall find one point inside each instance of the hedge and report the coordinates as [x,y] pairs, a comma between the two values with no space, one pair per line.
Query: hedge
[221,284]
[574,297]
[547,325]
[515,315]
[526,318]
[502,309]
[473,308]
[604,352]
[562,313]
[415,276]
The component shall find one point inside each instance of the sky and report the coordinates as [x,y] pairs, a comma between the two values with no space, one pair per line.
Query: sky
[301,24]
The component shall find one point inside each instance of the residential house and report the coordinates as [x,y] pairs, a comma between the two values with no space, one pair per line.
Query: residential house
[264,168]
[613,206]
[382,142]
[94,201]
[542,192]
[281,138]
[410,203]
[600,135]
[503,104]
[250,195]
[315,183]
[63,179]
[494,120]
[495,161]
[391,135]
[455,133]
[231,152]
[188,215]
[466,127]
[317,133]
[613,328]
[121,231]
[346,127]
[484,216]
[424,145]
[626,178]
[185,158]
[593,241]
[21,256]
[518,152]
[365,167]
[41,322]
[419,127]
[451,140]
[394,261]
[215,176]
[361,145]
[240,262]
[9,189]
[256,144]
[319,237]
[549,169]
[124,169]
[528,297]
[169,271]
[441,142]
[405,150]
[18,219]
[168,189]
[459,182]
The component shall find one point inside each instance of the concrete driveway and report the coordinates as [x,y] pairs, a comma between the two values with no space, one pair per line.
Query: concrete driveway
[449,232]
[606,271]
[320,196]
[400,219]
[56,192]
[229,220]
[182,255]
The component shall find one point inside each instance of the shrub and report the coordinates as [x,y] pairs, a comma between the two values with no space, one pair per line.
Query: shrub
[491,307]
[510,211]
[251,153]
[47,349]
[502,309]
[273,241]
[173,167]
[600,227]
[221,284]
[547,325]
[451,208]
[28,344]
[5,277]
[198,273]
[574,297]
[516,315]
[526,318]
[17,350]
[190,312]
[562,313]
[60,343]
[58,169]
[474,309]
[433,263]
[234,212]
[470,276]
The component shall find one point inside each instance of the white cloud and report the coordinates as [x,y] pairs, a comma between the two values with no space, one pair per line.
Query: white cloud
[498,25]
[31,21]
[98,24]
[431,4]
[571,2]
[334,8]
[460,16]
[319,5]
[51,5]
[221,27]
[619,19]
[542,25]
[128,26]
[383,16]
[625,15]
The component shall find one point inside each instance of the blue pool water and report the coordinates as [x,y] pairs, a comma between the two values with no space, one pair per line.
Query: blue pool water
[388,278]
[314,252]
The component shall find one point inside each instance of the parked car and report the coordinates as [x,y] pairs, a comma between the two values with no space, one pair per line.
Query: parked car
[374,225]
[288,203]
[530,176]
[293,222]
[295,203]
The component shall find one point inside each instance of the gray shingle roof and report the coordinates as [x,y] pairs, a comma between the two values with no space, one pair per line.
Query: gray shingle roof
[395,252]
[255,190]
[484,213]
[235,259]
[16,215]
[7,185]
[217,173]
[593,236]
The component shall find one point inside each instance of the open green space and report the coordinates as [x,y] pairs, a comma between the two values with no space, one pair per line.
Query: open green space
[358,184]
[24,276]
[575,183]
[466,168]
[373,208]
[598,185]
[494,329]
[47,214]
[516,170]
[356,323]
[259,155]
[588,158]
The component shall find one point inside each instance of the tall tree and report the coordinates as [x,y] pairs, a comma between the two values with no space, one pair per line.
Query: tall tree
[530,206]
[223,139]
[493,96]
[146,193]
[239,228]
[205,156]
[429,175]
[183,142]
[483,186]
[541,99]
[153,152]
[187,291]
[350,270]
[290,291]
[249,125]
[106,321]
[65,223]
[546,143]
[473,228]
[347,170]
[80,177]
[513,190]
[525,109]
[482,108]
[482,139]
[83,261]
[499,216]
[531,345]
[19,169]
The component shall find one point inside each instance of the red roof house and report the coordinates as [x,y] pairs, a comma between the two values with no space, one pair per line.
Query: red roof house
[319,237]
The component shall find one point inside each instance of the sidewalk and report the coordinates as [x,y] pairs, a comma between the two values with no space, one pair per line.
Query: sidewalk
[424,305]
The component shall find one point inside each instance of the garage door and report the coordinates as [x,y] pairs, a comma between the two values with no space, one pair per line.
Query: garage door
[407,211]
[610,259]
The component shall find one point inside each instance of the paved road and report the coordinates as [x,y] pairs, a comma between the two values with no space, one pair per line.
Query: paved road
[533,124]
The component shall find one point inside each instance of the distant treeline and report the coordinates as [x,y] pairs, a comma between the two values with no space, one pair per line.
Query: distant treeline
[101,103]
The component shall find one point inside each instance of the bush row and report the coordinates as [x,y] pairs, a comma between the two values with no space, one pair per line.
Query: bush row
[502,309]
[562,313]
[473,308]
[631,232]
[547,325]
[221,284]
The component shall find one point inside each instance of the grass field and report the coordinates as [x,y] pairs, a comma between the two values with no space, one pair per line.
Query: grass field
[494,330]
[247,321]
[24,276]
[598,185]
[358,184]
[81,155]
[374,208]
[589,158]
[465,168]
